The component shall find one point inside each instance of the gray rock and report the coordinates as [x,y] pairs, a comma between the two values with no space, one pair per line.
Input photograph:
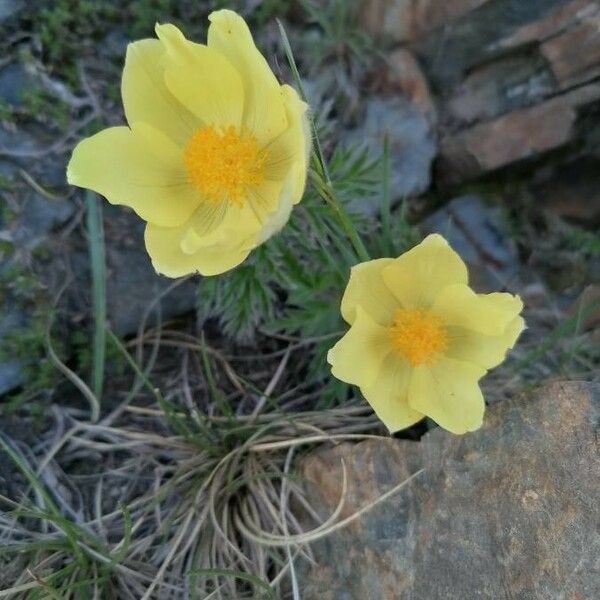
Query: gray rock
[10,8]
[497,88]
[38,216]
[131,282]
[472,39]
[412,145]
[10,368]
[510,511]
[477,233]
[14,82]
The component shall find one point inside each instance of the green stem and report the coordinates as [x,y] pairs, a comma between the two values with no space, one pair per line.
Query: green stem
[328,194]
[321,178]
[97,265]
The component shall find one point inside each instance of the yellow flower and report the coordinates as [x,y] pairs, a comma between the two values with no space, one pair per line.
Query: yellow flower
[216,152]
[420,338]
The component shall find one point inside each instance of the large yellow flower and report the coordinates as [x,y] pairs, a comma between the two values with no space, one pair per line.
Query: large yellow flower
[216,152]
[420,338]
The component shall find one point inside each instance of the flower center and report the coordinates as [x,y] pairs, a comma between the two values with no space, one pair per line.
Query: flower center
[222,164]
[418,335]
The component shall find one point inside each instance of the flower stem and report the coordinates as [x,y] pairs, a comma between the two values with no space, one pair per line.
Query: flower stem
[320,176]
[328,194]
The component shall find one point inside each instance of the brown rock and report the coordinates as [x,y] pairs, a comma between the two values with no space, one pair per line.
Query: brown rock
[554,23]
[499,87]
[510,511]
[409,20]
[518,135]
[575,54]
[404,75]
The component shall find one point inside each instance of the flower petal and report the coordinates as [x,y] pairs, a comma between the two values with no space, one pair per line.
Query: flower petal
[417,276]
[487,351]
[141,169]
[458,305]
[388,395]
[202,79]
[448,392]
[276,220]
[291,150]
[367,290]
[264,199]
[178,251]
[264,110]
[146,97]
[358,356]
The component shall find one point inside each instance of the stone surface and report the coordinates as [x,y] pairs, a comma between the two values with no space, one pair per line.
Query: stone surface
[10,8]
[476,232]
[10,369]
[497,88]
[574,54]
[510,511]
[409,20]
[131,282]
[474,38]
[404,76]
[412,144]
[556,21]
[521,134]
[571,190]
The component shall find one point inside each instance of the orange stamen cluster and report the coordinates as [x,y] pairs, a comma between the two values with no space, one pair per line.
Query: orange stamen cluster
[418,335]
[222,164]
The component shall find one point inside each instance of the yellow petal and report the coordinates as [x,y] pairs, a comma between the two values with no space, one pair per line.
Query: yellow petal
[276,220]
[388,395]
[357,358]
[141,169]
[367,290]
[417,276]
[290,152]
[487,351]
[202,79]
[448,392]
[264,110]
[146,97]
[458,305]
[264,199]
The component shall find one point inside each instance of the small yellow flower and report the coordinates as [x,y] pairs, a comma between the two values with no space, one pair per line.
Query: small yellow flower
[420,338]
[216,152]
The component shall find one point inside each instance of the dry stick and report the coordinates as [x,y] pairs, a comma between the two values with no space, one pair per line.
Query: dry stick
[283,499]
[272,384]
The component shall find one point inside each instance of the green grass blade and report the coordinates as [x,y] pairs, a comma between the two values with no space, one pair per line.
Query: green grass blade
[97,265]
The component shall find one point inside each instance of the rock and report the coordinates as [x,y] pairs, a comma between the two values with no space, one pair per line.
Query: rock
[15,81]
[476,232]
[38,216]
[404,75]
[521,134]
[571,190]
[500,87]
[409,20]
[574,54]
[10,8]
[556,21]
[10,368]
[510,511]
[412,145]
[131,282]
[475,38]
